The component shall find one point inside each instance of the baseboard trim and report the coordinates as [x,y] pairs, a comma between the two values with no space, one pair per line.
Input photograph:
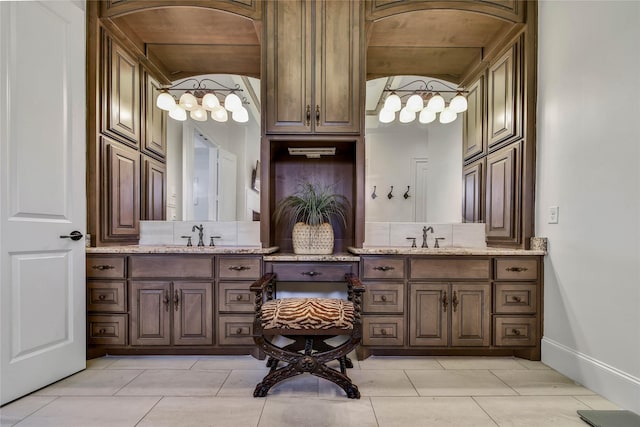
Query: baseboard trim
[618,386]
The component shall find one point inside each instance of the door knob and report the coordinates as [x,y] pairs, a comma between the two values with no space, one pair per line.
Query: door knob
[74,235]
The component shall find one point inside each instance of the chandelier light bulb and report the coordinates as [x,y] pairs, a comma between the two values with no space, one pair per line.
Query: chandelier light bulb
[426,116]
[436,103]
[210,101]
[415,103]
[458,104]
[178,113]
[232,102]
[392,103]
[165,101]
[386,116]
[447,115]
[407,116]
[219,114]
[241,115]
[188,101]
[199,114]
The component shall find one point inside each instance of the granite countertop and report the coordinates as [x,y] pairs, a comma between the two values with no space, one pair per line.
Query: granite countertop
[441,251]
[175,249]
[311,258]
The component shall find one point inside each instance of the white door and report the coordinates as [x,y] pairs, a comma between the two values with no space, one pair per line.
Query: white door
[227,170]
[421,172]
[42,194]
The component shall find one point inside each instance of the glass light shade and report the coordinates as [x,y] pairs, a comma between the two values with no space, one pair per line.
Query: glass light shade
[188,101]
[447,115]
[241,115]
[426,116]
[165,101]
[415,103]
[386,116]
[436,103]
[392,103]
[219,114]
[199,114]
[210,101]
[458,104]
[232,102]
[407,116]
[178,113]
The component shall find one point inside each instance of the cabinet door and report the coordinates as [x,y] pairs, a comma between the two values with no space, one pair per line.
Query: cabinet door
[504,98]
[121,197]
[473,138]
[153,190]
[155,136]
[338,76]
[470,315]
[121,99]
[150,304]
[428,315]
[473,192]
[503,195]
[288,67]
[193,313]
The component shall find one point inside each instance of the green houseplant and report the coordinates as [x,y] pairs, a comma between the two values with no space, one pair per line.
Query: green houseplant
[310,210]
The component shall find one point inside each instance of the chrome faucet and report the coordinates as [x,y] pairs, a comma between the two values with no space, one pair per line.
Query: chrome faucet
[424,235]
[200,233]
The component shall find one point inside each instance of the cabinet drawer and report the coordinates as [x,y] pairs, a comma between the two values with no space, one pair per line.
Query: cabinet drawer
[515,331]
[105,267]
[239,267]
[383,268]
[107,330]
[235,297]
[383,330]
[384,298]
[312,272]
[166,266]
[235,330]
[441,268]
[517,268]
[106,296]
[515,298]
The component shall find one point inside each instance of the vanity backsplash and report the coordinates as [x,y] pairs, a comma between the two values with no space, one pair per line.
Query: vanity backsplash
[229,233]
[400,234]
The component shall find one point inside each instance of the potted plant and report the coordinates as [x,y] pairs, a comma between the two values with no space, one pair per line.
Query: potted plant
[310,210]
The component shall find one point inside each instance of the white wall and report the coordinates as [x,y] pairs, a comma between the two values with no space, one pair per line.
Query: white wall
[588,165]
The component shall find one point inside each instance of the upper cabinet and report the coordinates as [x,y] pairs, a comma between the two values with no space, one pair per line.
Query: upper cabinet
[473,139]
[155,136]
[313,71]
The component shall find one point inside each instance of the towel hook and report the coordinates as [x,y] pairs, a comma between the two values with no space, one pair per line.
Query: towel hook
[389,196]
[406,193]
[374,195]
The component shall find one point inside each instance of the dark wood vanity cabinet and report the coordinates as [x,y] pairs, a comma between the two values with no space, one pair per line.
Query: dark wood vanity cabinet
[154,191]
[155,120]
[473,183]
[503,195]
[474,142]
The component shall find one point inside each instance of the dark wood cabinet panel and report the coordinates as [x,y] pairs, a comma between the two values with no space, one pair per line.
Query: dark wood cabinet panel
[121,192]
[150,304]
[470,315]
[473,136]
[155,140]
[428,315]
[503,195]
[154,193]
[473,191]
[193,313]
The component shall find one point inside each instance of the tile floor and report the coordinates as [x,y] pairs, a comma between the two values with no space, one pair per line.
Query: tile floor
[396,391]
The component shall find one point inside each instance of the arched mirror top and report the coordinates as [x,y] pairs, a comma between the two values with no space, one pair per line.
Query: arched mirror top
[248,8]
[507,10]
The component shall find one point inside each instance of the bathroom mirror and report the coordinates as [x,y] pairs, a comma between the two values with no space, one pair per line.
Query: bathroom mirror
[413,170]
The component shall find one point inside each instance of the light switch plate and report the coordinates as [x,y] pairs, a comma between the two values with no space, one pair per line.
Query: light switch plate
[553,215]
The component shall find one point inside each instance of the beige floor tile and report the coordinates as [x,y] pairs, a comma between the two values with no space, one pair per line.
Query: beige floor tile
[13,412]
[177,382]
[92,382]
[533,411]
[479,363]
[101,362]
[205,411]
[400,362]
[541,382]
[154,362]
[241,383]
[458,382]
[305,385]
[598,402]
[229,362]
[429,411]
[382,383]
[532,364]
[91,411]
[303,412]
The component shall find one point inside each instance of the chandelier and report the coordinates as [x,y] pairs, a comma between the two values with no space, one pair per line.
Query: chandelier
[205,91]
[424,100]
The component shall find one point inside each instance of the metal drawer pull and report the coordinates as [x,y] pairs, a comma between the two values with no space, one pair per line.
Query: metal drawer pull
[239,297]
[384,268]
[383,332]
[454,301]
[516,269]
[239,331]
[103,267]
[165,300]
[317,115]
[515,332]
[102,332]
[516,298]
[444,302]
[239,268]
[176,300]
[308,115]
[383,298]
[310,273]
[101,297]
